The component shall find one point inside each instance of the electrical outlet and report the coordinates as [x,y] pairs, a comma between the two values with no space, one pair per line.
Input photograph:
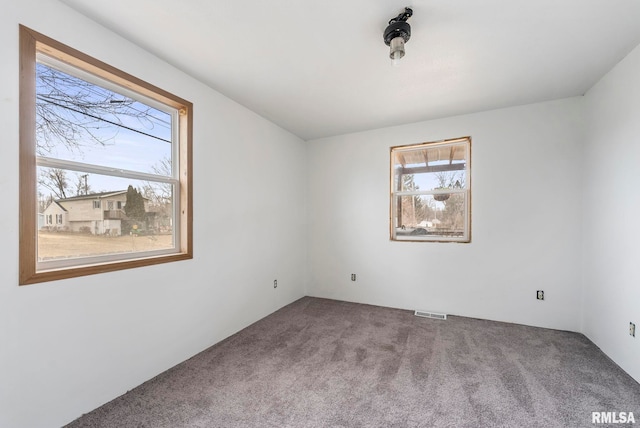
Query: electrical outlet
[540,294]
[353,277]
[275,283]
[632,329]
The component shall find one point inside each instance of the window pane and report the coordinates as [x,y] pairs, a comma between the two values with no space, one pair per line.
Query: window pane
[89,227]
[432,168]
[431,181]
[430,216]
[438,154]
[81,121]
[430,191]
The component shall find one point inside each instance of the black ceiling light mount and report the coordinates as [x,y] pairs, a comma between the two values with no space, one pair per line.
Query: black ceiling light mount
[397,34]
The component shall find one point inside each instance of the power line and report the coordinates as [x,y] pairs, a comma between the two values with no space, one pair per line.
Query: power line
[108,92]
[100,92]
[104,120]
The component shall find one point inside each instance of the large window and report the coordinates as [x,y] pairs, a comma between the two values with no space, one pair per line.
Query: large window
[109,156]
[431,191]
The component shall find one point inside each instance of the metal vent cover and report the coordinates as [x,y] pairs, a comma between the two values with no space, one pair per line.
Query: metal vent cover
[433,315]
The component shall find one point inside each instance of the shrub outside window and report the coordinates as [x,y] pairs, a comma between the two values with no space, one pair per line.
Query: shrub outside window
[93,137]
[431,191]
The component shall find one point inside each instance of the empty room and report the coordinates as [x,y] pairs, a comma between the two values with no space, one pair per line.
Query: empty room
[320,213]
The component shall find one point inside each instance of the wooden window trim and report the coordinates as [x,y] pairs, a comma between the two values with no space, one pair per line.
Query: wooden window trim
[32,42]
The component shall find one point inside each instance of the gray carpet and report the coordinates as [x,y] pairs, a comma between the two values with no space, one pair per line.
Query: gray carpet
[324,363]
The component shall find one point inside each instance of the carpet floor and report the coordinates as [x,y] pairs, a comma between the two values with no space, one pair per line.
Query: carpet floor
[325,363]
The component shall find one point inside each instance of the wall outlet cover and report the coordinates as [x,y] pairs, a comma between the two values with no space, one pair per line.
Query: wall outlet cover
[540,294]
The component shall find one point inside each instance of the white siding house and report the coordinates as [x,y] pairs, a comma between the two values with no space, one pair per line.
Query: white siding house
[97,213]
[55,217]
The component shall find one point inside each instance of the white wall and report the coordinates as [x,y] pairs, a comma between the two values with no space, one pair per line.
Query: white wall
[612,213]
[69,346]
[526,199]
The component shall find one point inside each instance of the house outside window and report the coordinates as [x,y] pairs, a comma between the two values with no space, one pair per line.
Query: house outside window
[431,191]
[123,141]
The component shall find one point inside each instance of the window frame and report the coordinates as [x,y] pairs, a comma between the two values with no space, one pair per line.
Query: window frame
[394,194]
[32,43]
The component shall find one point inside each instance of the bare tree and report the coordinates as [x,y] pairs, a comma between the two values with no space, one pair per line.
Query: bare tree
[450,179]
[160,195]
[161,192]
[43,201]
[55,180]
[454,204]
[414,209]
[73,112]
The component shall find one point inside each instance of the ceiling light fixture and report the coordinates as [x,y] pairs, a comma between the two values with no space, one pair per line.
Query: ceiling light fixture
[397,34]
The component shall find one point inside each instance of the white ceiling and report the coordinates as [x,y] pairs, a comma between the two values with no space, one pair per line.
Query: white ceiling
[320,68]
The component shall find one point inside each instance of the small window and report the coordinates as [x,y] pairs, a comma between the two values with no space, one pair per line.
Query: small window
[119,205]
[89,131]
[431,191]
